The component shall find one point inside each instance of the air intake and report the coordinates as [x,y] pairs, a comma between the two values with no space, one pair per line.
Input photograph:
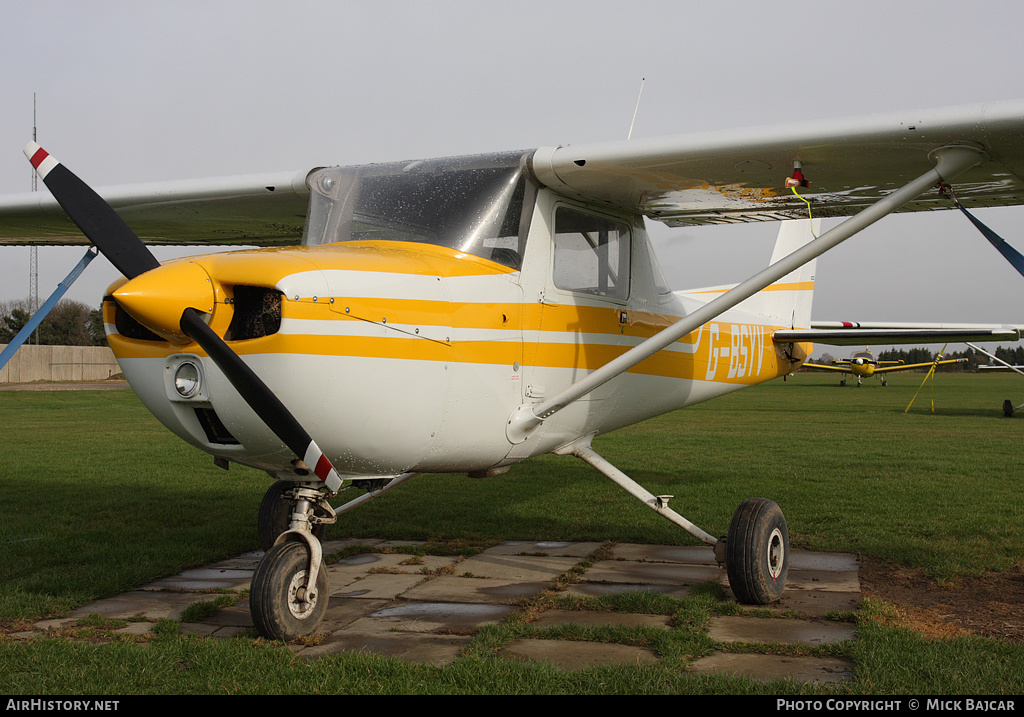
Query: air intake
[257,313]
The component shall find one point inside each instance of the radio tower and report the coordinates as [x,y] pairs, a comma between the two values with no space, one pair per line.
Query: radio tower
[33,262]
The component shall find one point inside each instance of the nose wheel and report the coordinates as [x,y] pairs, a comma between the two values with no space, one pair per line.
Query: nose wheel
[757,552]
[282,605]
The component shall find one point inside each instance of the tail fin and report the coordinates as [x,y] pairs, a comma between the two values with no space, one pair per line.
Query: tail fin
[788,301]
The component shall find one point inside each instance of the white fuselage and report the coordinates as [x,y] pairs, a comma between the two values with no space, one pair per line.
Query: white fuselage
[407,357]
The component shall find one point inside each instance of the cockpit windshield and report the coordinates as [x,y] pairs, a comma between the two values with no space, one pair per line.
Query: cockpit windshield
[472,204]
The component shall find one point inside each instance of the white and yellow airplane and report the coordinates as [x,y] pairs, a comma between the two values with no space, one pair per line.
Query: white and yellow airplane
[461,315]
[863,364]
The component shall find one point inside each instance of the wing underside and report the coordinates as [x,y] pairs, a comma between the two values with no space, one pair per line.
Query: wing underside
[862,337]
[912,366]
[825,367]
[253,210]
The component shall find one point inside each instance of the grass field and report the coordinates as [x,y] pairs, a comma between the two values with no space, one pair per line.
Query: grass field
[98,498]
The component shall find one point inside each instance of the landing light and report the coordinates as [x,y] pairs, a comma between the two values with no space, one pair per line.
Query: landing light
[187,379]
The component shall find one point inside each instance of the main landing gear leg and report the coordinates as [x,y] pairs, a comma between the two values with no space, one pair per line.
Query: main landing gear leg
[755,550]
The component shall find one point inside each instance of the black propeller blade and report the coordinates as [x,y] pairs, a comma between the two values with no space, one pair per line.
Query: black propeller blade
[97,220]
[123,248]
[260,398]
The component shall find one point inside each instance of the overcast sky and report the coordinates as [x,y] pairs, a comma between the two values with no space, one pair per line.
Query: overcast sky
[147,91]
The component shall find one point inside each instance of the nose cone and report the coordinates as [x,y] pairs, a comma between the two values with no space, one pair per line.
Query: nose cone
[159,297]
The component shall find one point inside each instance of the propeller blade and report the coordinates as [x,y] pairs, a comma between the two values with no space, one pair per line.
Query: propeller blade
[261,399]
[97,220]
[123,248]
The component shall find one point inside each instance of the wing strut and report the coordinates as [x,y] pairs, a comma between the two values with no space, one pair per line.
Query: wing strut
[47,306]
[1011,255]
[949,162]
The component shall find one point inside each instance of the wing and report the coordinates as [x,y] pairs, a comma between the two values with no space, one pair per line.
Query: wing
[841,369]
[908,366]
[845,333]
[690,179]
[258,210]
[740,175]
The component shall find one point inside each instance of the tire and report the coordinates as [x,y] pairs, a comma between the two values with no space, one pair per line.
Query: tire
[1007,408]
[277,609]
[757,552]
[275,515]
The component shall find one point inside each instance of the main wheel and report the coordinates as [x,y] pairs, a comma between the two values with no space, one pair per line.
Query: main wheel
[281,607]
[757,552]
[275,515]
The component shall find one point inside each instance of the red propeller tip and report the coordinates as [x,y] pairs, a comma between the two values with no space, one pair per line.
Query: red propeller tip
[40,159]
[322,466]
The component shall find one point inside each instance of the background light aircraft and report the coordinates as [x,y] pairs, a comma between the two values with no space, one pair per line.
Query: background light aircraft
[863,364]
[465,314]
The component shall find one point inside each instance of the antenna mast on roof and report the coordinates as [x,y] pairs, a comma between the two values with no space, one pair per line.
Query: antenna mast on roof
[637,108]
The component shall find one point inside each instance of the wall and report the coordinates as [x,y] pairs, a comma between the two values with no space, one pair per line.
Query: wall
[59,363]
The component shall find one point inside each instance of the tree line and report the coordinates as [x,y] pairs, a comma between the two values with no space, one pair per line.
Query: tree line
[70,323]
[1014,356]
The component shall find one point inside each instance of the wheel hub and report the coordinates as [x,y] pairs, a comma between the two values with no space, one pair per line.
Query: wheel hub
[776,553]
[301,601]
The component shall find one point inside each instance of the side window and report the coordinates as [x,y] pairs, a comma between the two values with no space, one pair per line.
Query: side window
[591,254]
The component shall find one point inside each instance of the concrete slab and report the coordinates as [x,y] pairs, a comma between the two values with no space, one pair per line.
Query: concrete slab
[830,562]
[577,655]
[515,567]
[544,547]
[555,618]
[628,571]
[816,603]
[245,561]
[136,629]
[437,650]
[344,574]
[491,591]
[587,589]
[432,617]
[141,604]
[378,587]
[689,554]
[233,616]
[202,579]
[766,668]
[332,547]
[830,580]
[736,628]
[342,612]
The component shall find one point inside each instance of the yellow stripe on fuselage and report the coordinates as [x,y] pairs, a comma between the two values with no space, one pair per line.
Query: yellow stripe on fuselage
[539,335]
[582,338]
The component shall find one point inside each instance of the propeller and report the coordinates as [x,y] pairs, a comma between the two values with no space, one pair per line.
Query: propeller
[129,255]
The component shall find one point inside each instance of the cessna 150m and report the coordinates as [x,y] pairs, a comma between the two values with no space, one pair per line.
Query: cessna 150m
[863,364]
[465,314]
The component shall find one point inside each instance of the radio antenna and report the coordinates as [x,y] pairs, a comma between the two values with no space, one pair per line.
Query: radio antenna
[637,108]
